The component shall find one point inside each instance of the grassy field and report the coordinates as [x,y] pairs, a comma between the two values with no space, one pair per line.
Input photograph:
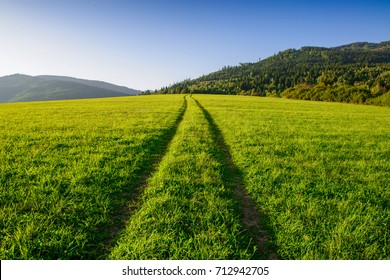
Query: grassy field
[69,167]
[319,172]
[188,211]
[167,177]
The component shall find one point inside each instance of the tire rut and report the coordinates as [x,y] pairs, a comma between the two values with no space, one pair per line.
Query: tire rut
[250,217]
[133,196]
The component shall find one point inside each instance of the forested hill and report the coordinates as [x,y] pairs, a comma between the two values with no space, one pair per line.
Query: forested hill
[355,73]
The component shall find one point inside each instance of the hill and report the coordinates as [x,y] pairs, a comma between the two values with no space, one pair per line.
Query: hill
[355,73]
[99,84]
[17,88]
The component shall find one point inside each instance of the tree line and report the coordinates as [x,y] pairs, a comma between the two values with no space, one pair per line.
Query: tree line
[355,73]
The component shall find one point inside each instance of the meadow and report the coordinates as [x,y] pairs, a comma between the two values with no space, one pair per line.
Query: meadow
[319,172]
[194,177]
[69,168]
[188,211]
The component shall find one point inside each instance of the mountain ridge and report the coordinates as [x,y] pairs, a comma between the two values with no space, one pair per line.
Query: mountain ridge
[356,73]
[95,83]
[20,88]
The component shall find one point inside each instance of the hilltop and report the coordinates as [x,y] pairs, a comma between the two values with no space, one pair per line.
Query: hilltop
[18,87]
[356,73]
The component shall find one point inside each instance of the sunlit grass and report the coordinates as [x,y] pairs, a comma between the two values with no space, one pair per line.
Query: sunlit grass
[319,171]
[67,166]
[187,211]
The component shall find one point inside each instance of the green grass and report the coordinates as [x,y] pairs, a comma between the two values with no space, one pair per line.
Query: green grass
[156,177]
[319,171]
[187,210]
[68,168]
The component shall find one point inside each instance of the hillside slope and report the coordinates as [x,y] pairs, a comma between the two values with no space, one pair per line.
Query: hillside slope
[16,88]
[99,84]
[356,73]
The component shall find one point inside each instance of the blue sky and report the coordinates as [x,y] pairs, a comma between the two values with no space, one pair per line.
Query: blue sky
[148,44]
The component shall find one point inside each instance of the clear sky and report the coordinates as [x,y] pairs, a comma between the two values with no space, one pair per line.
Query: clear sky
[147,44]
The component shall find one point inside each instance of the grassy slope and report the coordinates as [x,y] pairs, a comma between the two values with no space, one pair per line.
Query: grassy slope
[319,171]
[187,210]
[67,167]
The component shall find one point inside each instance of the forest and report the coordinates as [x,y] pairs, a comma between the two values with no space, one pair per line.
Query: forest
[353,73]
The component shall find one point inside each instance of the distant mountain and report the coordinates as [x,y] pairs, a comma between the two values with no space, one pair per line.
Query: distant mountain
[99,84]
[17,88]
[355,73]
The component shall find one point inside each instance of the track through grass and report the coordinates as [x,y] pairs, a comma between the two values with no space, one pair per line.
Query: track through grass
[122,214]
[187,211]
[232,176]
[159,177]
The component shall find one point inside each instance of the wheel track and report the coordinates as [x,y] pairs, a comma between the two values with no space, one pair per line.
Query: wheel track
[251,234]
[186,210]
[250,217]
[121,216]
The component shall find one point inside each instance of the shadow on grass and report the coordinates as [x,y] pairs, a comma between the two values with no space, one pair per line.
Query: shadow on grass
[155,149]
[256,224]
